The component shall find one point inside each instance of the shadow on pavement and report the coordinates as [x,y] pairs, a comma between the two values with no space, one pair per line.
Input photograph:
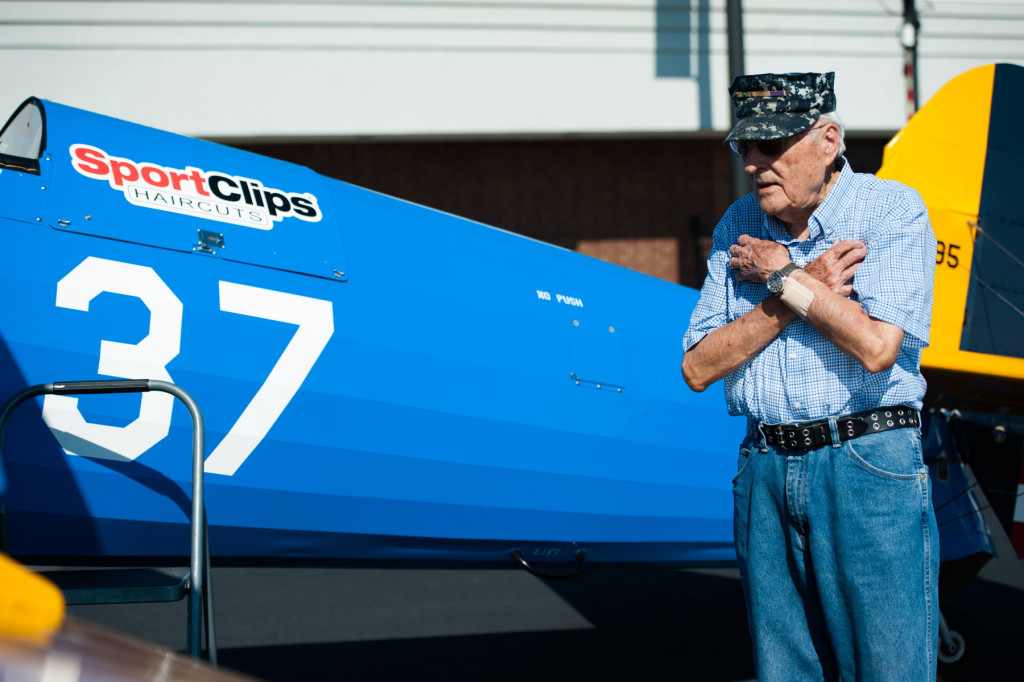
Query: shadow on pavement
[647,625]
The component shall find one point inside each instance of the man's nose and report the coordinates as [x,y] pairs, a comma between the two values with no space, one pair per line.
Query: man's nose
[754,159]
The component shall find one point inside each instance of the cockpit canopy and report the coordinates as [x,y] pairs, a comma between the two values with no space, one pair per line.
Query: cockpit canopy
[23,138]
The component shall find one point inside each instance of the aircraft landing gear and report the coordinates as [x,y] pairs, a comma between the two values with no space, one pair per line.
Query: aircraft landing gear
[951,643]
[960,646]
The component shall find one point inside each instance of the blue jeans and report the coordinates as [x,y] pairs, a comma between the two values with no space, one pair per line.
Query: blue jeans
[838,552]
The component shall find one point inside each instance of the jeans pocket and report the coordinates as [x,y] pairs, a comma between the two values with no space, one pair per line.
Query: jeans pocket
[742,463]
[891,454]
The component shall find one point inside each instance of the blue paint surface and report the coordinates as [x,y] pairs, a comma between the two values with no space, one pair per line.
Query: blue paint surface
[468,392]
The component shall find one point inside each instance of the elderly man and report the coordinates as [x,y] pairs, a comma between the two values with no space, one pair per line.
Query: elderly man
[815,310]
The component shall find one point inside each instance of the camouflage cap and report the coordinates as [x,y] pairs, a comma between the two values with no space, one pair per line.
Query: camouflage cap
[770,106]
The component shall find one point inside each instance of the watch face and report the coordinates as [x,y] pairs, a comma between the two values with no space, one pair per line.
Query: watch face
[775,281]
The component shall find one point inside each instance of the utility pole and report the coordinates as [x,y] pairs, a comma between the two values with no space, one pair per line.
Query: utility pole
[734,24]
[908,37]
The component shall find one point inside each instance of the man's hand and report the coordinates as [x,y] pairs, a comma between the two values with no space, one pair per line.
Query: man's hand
[845,323]
[755,259]
[835,268]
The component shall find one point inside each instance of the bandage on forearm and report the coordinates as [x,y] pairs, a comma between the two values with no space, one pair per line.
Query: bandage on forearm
[797,297]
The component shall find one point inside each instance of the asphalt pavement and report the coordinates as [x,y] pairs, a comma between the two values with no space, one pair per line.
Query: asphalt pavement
[505,624]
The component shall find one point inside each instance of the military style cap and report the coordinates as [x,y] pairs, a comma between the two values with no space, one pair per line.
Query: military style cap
[770,106]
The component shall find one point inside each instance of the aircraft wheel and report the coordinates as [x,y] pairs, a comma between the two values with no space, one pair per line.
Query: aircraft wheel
[953,650]
[960,651]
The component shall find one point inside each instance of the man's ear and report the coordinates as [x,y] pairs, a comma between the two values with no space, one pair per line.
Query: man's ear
[830,141]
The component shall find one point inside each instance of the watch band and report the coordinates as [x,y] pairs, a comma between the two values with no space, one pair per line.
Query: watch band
[776,280]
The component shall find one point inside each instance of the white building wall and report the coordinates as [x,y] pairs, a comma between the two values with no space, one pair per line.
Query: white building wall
[348,69]
[860,41]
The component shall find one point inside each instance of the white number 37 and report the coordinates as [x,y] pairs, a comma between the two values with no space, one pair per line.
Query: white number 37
[148,359]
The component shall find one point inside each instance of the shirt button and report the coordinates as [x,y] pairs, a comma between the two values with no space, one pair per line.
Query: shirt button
[792,356]
[796,405]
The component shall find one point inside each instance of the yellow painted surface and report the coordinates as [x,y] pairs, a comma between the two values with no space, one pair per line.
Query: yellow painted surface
[941,153]
[952,280]
[941,150]
[31,607]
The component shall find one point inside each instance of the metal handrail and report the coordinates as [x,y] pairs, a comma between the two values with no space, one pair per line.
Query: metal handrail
[199,548]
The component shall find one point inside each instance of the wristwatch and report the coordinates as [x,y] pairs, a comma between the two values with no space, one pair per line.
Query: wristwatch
[777,279]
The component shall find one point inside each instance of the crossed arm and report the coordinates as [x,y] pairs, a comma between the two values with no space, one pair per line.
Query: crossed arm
[844,322]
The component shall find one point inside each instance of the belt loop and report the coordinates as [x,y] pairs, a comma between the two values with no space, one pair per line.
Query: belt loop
[834,428]
[763,443]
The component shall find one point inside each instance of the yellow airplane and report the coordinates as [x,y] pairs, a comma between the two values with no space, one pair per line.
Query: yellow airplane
[960,151]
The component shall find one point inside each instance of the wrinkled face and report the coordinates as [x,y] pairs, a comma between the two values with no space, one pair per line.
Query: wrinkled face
[791,177]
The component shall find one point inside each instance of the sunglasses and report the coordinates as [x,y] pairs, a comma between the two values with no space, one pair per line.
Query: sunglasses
[771,149]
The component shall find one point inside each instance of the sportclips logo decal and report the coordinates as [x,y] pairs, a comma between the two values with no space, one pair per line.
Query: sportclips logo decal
[195,192]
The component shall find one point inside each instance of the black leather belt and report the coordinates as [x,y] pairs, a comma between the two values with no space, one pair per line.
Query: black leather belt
[817,434]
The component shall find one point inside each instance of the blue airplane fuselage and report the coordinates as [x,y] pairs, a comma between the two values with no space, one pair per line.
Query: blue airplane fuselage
[380,381]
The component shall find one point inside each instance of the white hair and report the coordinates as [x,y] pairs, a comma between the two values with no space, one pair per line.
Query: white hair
[833,117]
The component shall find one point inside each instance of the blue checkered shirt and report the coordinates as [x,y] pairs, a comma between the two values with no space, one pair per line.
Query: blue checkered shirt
[800,375]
